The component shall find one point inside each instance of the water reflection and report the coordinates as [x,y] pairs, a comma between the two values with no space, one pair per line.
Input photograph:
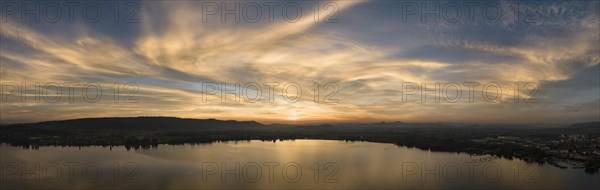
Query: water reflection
[299,164]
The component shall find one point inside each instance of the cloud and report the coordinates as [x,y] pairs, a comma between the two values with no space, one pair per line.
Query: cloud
[369,53]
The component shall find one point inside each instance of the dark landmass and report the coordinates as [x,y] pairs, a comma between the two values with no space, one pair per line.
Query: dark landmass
[577,145]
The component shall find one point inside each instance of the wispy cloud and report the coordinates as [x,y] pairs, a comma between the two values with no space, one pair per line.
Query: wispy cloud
[172,51]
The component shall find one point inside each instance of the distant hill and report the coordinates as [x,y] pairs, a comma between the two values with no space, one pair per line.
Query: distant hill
[136,123]
[146,132]
[595,124]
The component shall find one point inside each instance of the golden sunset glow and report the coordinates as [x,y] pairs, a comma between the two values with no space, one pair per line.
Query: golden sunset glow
[172,53]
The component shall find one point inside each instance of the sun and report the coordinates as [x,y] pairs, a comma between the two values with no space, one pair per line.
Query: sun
[293,117]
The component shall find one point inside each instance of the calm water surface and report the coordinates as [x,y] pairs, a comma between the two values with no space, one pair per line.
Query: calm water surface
[299,164]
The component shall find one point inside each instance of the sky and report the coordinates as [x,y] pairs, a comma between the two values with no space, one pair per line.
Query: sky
[302,61]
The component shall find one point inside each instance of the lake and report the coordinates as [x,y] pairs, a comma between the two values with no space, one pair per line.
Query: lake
[297,164]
